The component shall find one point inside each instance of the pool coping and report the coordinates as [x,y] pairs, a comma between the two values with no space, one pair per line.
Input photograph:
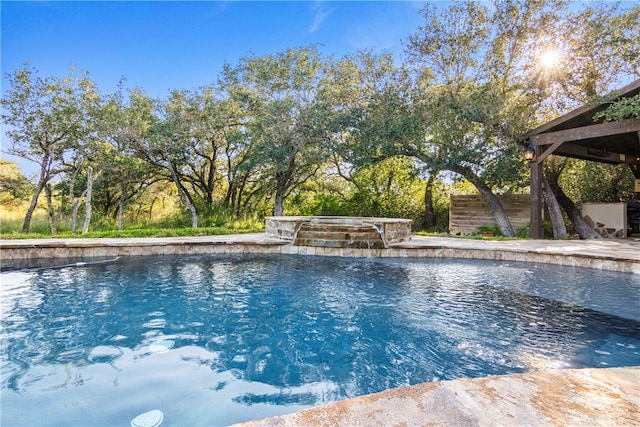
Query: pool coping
[621,255]
[570,397]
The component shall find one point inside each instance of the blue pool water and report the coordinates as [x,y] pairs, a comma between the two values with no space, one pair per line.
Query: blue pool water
[216,340]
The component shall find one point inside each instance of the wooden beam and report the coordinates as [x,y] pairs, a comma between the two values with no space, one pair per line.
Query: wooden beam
[636,173]
[627,91]
[588,153]
[543,152]
[535,209]
[587,132]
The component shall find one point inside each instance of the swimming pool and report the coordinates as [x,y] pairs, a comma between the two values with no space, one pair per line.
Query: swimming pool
[213,340]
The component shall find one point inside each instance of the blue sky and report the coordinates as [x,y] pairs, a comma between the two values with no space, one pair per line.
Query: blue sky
[162,45]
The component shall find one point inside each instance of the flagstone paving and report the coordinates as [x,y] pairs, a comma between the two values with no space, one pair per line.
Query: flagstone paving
[572,397]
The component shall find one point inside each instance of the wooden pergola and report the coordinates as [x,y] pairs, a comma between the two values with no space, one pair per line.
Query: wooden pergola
[576,135]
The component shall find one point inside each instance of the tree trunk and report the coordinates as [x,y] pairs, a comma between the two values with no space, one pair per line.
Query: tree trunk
[87,203]
[122,199]
[580,225]
[26,225]
[238,197]
[75,204]
[184,197]
[44,177]
[278,206]
[74,215]
[194,216]
[502,220]
[555,211]
[153,202]
[429,220]
[52,216]
[282,182]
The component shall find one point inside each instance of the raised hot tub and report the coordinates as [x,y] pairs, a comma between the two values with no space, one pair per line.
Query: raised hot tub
[338,231]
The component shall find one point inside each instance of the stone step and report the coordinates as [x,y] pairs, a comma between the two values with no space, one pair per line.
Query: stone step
[330,235]
[345,235]
[338,228]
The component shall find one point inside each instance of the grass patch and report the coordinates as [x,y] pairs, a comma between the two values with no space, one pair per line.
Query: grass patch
[146,232]
[468,236]
[11,227]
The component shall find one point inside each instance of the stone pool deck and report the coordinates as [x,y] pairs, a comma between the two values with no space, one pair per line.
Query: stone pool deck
[572,397]
[622,255]
[583,397]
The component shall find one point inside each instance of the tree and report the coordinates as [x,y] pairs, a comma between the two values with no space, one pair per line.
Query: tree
[390,188]
[76,160]
[288,117]
[588,38]
[124,127]
[470,57]
[44,117]
[14,186]
[167,147]
[203,126]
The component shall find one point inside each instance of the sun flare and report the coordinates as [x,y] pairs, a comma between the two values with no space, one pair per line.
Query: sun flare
[550,58]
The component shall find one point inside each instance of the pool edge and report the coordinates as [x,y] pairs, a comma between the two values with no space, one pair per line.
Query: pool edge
[586,397]
[611,255]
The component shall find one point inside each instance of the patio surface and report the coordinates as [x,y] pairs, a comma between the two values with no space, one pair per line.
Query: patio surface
[573,397]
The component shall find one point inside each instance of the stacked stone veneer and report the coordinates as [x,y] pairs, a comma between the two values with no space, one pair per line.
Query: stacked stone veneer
[603,230]
[339,232]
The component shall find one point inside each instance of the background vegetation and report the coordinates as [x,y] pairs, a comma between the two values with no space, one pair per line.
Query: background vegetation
[302,133]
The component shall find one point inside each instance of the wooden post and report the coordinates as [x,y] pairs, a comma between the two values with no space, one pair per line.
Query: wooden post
[636,174]
[535,216]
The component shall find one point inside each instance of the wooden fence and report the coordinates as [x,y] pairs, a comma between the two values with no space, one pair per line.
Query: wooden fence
[467,213]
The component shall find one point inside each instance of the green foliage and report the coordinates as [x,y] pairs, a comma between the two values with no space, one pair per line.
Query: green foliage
[15,188]
[591,182]
[622,109]
[524,232]
[315,203]
[39,225]
[146,232]
[288,129]
[487,230]
[390,188]
[222,216]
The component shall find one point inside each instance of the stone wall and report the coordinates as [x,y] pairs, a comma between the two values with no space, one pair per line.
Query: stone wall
[608,219]
[282,228]
[396,232]
[54,252]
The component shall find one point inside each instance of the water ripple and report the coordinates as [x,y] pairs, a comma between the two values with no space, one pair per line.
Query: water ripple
[276,334]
